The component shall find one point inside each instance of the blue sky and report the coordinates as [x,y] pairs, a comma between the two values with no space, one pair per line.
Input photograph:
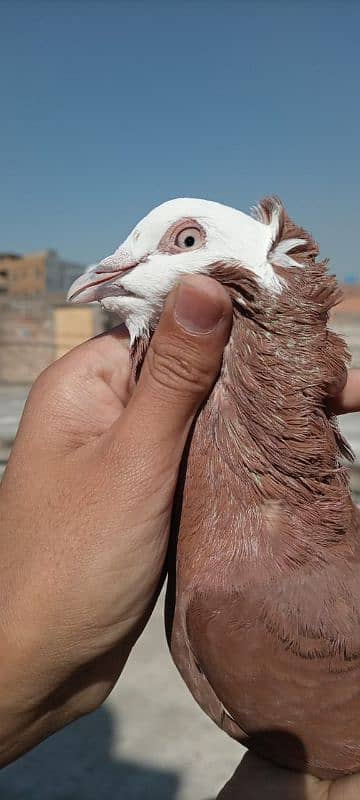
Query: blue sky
[108,108]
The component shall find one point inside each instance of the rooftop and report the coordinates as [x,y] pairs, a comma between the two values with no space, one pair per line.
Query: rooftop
[10,256]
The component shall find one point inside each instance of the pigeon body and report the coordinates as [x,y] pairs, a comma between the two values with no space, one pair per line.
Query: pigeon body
[263,600]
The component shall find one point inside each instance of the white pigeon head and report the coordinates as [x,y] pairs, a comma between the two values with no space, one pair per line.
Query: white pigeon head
[181,237]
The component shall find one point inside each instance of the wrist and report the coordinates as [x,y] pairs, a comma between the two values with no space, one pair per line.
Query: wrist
[36,701]
[46,683]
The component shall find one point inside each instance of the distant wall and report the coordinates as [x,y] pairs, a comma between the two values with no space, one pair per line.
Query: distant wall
[73,326]
[26,340]
[33,334]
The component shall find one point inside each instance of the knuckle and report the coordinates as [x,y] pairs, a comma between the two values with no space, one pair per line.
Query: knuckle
[40,389]
[46,385]
[43,379]
[178,367]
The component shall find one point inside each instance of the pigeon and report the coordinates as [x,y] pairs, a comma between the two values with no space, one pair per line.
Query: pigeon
[263,596]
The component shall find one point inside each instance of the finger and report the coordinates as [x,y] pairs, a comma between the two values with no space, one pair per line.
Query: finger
[180,368]
[347,788]
[257,778]
[348,400]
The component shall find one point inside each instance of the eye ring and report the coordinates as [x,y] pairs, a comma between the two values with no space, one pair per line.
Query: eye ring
[189,238]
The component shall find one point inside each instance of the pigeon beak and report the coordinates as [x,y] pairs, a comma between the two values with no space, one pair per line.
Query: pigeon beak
[90,286]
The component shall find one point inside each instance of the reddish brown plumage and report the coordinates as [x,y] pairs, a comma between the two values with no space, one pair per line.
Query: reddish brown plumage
[263,605]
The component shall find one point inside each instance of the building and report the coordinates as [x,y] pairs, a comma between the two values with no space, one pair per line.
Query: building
[34,274]
[36,325]
[60,273]
[22,275]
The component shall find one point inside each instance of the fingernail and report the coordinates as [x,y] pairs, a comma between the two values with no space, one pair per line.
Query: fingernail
[198,307]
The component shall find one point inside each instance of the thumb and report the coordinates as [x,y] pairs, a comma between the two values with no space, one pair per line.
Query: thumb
[185,354]
[179,370]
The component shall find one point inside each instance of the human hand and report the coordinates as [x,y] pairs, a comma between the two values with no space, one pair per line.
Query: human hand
[85,507]
[257,779]
[348,399]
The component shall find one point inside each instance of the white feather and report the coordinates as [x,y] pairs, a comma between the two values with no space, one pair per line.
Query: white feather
[279,255]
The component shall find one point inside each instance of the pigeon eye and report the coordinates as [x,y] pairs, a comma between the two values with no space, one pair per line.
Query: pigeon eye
[189,239]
